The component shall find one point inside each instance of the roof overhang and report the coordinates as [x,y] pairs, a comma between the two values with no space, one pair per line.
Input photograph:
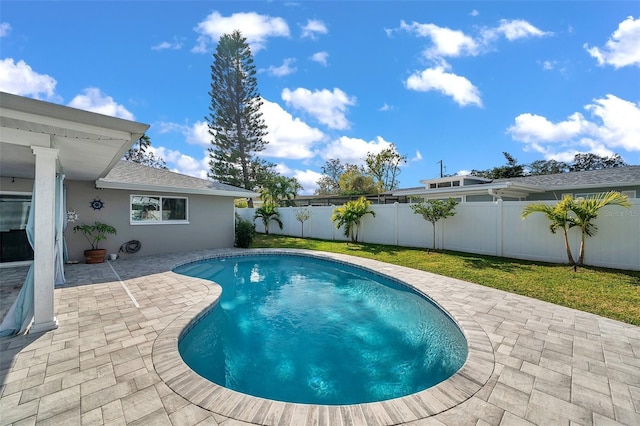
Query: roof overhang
[105,184]
[502,189]
[88,144]
[574,188]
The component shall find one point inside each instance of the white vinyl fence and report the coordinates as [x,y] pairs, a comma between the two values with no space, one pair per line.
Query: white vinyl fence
[492,228]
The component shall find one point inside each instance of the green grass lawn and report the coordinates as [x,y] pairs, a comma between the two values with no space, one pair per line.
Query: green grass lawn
[607,292]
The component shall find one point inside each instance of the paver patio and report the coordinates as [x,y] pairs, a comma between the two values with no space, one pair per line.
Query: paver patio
[111,359]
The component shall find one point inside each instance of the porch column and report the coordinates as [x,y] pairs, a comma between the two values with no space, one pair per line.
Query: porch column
[44,244]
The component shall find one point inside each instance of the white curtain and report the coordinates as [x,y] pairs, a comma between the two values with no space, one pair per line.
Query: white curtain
[61,224]
[21,312]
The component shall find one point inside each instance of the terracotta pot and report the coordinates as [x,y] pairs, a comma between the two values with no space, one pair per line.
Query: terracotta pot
[95,256]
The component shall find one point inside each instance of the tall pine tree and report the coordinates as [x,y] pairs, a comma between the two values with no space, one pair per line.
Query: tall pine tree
[235,121]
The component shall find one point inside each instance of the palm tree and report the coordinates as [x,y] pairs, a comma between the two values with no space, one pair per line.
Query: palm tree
[350,216]
[268,213]
[586,210]
[559,218]
[280,189]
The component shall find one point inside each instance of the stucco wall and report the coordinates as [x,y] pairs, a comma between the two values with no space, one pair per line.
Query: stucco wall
[211,222]
[8,184]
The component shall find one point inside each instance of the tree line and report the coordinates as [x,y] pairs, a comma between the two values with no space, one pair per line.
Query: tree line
[580,163]
[379,173]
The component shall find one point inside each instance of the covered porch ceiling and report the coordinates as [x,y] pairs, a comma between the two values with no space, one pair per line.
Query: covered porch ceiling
[88,144]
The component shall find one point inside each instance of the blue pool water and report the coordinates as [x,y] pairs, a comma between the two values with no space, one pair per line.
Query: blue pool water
[309,330]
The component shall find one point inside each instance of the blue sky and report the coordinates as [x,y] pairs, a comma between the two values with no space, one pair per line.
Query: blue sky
[454,81]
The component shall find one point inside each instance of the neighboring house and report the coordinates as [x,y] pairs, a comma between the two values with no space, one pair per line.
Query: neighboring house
[530,188]
[46,147]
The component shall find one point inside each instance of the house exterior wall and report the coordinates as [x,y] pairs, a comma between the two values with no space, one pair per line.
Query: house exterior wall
[8,184]
[211,222]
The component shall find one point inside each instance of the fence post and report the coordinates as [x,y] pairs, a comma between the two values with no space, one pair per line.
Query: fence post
[395,218]
[499,227]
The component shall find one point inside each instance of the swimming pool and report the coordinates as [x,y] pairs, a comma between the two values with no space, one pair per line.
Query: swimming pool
[301,329]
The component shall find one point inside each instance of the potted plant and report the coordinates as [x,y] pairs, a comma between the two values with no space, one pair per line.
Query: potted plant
[94,234]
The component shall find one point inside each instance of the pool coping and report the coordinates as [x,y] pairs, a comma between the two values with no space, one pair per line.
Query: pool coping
[466,382]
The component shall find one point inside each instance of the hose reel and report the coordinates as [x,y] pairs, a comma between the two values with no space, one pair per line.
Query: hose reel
[132,246]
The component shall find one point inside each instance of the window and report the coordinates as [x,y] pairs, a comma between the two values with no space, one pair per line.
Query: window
[147,209]
[587,195]
[630,194]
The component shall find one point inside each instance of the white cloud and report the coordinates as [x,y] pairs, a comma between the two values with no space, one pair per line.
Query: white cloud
[615,126]
[455,43]
[313,28]
[5,28]
[353,150]
[182,163]
[94,100]
[548,65]
[320,57]
[513,29]
[307,178]
[531,128]
[20,79]
[288,137]
[446,42]
[284,69]
[255,27]
[385,107]
[474,13]
[459,88]
[168,45]
[198,134]
[328,107]
[416,157]
[194,134]
[620,122]
[622,48]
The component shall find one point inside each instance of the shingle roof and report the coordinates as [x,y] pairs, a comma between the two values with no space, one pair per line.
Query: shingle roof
[128,175]
[629,175]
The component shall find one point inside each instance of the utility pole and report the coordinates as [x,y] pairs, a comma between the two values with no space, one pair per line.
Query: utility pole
[440,162]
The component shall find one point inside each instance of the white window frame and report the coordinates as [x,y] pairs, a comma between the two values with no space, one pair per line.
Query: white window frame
[159,220]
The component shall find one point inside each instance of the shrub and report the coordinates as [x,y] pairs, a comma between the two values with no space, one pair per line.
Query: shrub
[245,232]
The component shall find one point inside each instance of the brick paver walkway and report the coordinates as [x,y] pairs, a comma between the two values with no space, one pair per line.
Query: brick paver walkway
[550,365]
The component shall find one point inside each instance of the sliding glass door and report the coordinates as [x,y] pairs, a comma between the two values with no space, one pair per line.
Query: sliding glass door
[14,211]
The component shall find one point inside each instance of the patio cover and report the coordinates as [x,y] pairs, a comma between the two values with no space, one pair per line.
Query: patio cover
[40,140]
